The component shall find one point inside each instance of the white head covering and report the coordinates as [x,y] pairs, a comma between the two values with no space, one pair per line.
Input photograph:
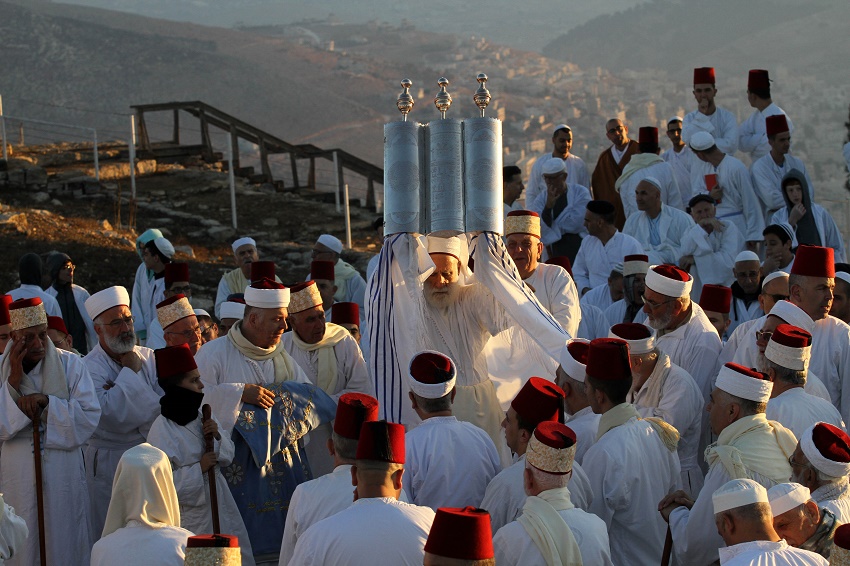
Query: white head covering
[243,242]
[574,368]
[786,496]
[330,242]
[701,141]
[793,315]
[771,276]
[561,127]
[744,386]
[104,300]
[675,119]
[267,298]
[790,231]
[641,346]
[202,312]
[554,166]
[788,356]
[737,493]
[143,491]
[818,460]
[452,246]
[634,267]
[747,255]
[667,286]
[654,182]
[431,390]
[231,309]
[164,247]
[843,275]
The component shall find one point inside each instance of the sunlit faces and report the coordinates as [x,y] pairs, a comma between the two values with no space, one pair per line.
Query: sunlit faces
[764,333]
[799,524]
[114,328]
[185,331]
[794,191]
[35,339]
[674,133]
[747,275]
[705,92]
[720,414]
[225,324]
[513,188]
[814,295]
[245,255]
[840,308]
[617,132]
[562,143]
[267,325]
[192,381]
[555,182]
[719,321]
[525,250]
[512,431]
[66,273]
[441,288]
[309,324]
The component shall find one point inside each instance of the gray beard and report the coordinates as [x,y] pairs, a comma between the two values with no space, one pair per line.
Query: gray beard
[443,299]
[660,323]
[121,344]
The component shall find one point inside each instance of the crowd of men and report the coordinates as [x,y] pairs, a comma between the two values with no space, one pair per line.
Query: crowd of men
[646,367]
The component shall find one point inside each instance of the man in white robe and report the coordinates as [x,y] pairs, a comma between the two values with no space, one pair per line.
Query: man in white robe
[376,524]
[774,288]
[30,272]
[664,390]
[562,143]
[602,249]
[769,170]
[634,284]
[657,227]
[708,117]
[235,280]
[821,462]
[748,446]
[570,377]
[561,208]
[40,381]
[603,296]
[551,529]
[124,377]
[442,449]
[460,536]
[143,278]
[679,157]
[710,246]
[149,292]
[745,289]
[647,163]
[350,285]
[72,301]
[633,463]
[752,132]
[786,361]
[715,300]
[799,520]
[593,322]
[744,520]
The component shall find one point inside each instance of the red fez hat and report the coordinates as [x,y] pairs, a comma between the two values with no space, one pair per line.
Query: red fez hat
[562,261]
[56,323]
[345,313]
[672,272]
[5,301]
[608,360]
[523,213]
[431,367]
[715,298]
[262,269]
[758,78]
[555,435]
[842,536]
[212,541]
[631,331]
[170,300]
[381,441]
[174,360]
[578,350]
[352,411]
[24,303]
[832,442]
[301,286]
[749,372]
[814,261]
[648,134]
[322,270]
[636,257]
[791,336]
[704,75]
[539,400]
[266,283]
[461,533]
[176,272]
[776,124]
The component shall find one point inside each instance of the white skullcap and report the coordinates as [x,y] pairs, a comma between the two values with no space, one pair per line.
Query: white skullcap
[424,370]
[629,331]
[330,242]
[243,242]
[737,493]
[561,127]
[771,276]
[786,496]
[701,141]
[793,315]
[619,268]
[164,247]
[747,255]
[666,285]
[832,438]
[231,309]
[789,230]
[843,275]
[733,380]
[554,166]
[452,246]
[202,312]
[573,368]
[104,300]
[267,298]
[653,181]
[675,119]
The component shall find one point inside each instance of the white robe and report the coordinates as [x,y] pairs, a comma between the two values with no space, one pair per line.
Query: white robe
[156,335]
[80,296]
[673,224]
[13,531]
[630,471]
[130,404]
[722,125]
[593,323]
[714,254]
[556,291]
[373,527]
[599,297]
[66,425]
[739,203]
[514,547]
[752,132]
[671,194]
[740,313]
[438,453]
[835,497]
[571,219]
[797,410]
[576,173]
[584,423]
[681,164]
[767,181]
[184,446]
[147,293]
[743,334]
[595,260]
[51,307]
[138,544]
[830,361]
[766,553]
[830,235]
[505,494]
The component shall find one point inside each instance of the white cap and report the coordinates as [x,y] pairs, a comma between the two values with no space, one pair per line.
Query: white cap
[554,166]
[330,242]
[243,242]
[734,381]
[164,247]
[573,368]
[786,496]
[771,276]
[104,300]
[666,285]
[737,493]
[653,181]
[267,298]
[634,267]
[843,275]
[202,312]
[747,255]
[452,246]
[701,141]
[675,119]
[231,309]
[561,127]
[793,315]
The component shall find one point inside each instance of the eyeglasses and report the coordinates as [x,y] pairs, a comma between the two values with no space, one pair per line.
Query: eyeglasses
[764,335]
[653,305]
[183,290]
[187,334]
[118,322]
[794,464]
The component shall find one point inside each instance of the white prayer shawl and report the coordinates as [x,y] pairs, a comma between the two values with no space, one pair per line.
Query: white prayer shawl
[138,544]
[714,254]
[66,426]
[752,132]
[441,451]
[679,403]
[739,203]
[767,181]
[184,446]
[797,410]
[661,171]
[576,173]
[505,494]
[766,553]
[681,164]
[80,296]
[835,497]
[595,260]
[722,125]
[357,535]
[631,470]
[593,323]
[130,403]
[830,235]
[225,371]
[51,307]
[831,361]
[599,297]
[672,226]
[584,423]
[571,219]
[13,531]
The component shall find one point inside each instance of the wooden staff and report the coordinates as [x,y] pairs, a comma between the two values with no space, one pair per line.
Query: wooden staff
[209,447]
[668,548]
[39,493]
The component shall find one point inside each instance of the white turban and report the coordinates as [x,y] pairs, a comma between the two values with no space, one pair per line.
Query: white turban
[104,300]
[554,166]
[701,141]
[666,285]
[742,385]
[267,298]
[243,242]
[330,242]
[231,309]
[737,493]
[793,315]
[573,368]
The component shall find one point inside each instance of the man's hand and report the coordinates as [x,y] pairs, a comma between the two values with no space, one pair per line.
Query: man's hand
[711,224]
[703,105]
[671,501]
[796,214]
[208,460]
[32,405]
[131,360]
[257,395]
[553,193]
[16,354]
[771,264]
[211,427]
[686,262]
[716,193]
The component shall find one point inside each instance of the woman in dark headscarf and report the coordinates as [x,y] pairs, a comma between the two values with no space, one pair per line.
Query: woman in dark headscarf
[71,299]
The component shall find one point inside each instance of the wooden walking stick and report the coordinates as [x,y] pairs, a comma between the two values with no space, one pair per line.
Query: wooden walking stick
[668,548]
[209,447]
[39,493]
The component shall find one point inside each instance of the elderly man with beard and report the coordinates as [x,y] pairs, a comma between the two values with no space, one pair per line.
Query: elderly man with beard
[124,377]
[799,520]
[629,308]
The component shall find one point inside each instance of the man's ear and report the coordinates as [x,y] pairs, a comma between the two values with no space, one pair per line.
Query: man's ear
[330,445]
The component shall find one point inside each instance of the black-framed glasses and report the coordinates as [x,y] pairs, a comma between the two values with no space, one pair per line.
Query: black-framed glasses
[181,290]
[118,322]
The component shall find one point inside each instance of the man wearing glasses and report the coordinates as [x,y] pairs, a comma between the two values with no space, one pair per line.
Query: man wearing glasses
[610,166]
[180,324]
[124,377]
